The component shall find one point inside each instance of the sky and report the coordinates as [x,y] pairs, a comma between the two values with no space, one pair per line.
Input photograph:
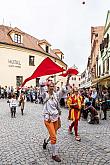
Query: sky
[66,24]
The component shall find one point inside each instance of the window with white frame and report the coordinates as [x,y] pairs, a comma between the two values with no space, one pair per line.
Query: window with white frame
[107,62]
[99,70]
[103,66]
[17,38]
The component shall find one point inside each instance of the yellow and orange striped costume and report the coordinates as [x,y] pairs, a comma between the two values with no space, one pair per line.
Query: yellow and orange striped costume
[74,110]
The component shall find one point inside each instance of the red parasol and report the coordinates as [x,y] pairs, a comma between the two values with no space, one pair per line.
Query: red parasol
[47,67]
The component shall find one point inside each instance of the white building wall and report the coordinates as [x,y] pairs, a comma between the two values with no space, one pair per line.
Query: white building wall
[20,67]
[76,80]
[14,61]
[105,55]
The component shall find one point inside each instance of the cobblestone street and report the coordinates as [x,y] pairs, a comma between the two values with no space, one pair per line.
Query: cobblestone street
[21,139]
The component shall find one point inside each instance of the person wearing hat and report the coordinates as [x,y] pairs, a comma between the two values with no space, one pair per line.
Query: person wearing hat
[75,105]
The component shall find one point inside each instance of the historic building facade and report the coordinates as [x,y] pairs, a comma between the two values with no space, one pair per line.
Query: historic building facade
[20,55]
[86,80]
[75,81]
[99,60]
[104,56]
[96,39]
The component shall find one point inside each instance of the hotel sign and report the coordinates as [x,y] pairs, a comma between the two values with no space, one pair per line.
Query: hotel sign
[14,63]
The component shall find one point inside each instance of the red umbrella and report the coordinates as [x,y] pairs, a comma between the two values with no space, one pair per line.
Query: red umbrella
[47,67]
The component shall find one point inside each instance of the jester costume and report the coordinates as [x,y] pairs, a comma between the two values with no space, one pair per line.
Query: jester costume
[74,104]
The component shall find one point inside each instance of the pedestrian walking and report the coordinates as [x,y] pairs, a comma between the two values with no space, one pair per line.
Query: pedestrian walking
[105,97]
[51,113]
[22,101]
[93,97]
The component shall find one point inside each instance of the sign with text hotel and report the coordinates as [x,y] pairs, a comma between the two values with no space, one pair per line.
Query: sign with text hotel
[14,63]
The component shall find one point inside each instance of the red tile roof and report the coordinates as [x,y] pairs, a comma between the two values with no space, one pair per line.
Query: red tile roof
[44,41]
[29,41]
[57,51]
[53,54]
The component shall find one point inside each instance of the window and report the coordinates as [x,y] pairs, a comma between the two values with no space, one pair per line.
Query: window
[75,78]
[61,56]
[107,64]
[31,60]
[17,38]
[103,66]
[106,41]
[47,49]
[99,70]
[96,35]
[19,80]
[37,82]
[102,47]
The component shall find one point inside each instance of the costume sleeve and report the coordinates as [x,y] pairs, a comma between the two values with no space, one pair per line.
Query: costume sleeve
[69,102]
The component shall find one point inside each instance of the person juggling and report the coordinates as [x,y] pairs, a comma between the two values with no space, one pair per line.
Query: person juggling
[75,108]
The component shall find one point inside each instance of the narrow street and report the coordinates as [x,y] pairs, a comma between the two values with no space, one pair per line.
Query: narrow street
[21,139]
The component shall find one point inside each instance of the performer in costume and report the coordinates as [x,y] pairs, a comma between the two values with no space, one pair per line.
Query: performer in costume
[75,106]
[68,101]
[51,113]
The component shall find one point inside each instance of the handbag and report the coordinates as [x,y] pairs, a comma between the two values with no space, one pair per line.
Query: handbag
[59,122]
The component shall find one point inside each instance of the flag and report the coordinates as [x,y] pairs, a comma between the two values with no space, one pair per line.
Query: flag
[47,67]
[70,71]
[63,74]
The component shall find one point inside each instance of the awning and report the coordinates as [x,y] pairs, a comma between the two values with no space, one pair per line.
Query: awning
[101,79]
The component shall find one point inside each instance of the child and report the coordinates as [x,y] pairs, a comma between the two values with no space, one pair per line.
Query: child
[13,105]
